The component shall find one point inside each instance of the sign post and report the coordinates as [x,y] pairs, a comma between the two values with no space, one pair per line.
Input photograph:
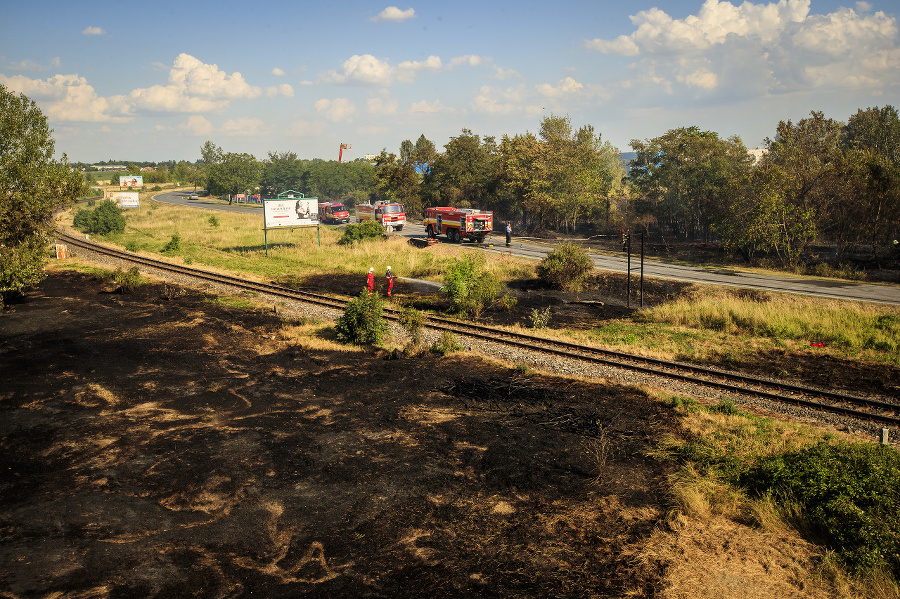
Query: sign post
[290,209]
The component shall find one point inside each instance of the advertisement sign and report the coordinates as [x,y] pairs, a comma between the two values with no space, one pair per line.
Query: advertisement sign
[131,181]
[291,212]
[126,199]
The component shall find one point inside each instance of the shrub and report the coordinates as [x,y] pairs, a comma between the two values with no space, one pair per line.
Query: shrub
[447,344]
[127,280]
[106,218]
[847,493]
[363,321]
[413,322]
[565,268]
[470,287]
[131,246]
[173,244]
[213,221]
[365,230]
[540,318]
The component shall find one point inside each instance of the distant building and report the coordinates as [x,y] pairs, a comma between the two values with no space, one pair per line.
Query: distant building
[757,154]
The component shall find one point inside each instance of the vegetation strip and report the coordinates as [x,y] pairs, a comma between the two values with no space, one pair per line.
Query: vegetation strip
[495,335]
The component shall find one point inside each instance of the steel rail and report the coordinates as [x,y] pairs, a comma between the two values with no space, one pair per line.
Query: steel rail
[709,377]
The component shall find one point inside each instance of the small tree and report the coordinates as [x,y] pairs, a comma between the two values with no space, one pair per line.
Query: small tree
[469,285]
[565,268]
[32,186]
[104,219]
[368,229]
[363,321]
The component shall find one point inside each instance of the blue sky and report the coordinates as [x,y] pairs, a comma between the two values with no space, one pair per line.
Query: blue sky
[154,81]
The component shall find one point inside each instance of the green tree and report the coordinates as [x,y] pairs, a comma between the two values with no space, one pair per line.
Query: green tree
[103,219]
[873,145]
[397,181]
[463,176]
[33,184]
[234,174]
[681,176]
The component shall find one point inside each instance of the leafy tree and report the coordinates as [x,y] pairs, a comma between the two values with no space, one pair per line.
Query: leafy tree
[873,145]
[397,181]
[32,186]
[463,175]
[681,176]
[363,320]
[234,174]
[469,285]
[103,219]
[281,172]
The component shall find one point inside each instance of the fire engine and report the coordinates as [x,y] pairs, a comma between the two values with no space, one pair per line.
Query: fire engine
[334,213]
[457,223]
[390,215]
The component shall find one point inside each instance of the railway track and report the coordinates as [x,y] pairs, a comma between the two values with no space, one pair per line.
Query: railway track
[865,409]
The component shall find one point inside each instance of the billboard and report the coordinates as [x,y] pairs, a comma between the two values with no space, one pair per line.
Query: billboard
[126,199]
[292,212]
[131,181]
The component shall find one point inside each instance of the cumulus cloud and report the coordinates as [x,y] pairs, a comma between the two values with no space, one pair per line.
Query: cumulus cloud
[392,13]
[366,69]
[92,31]
[381,106]
[337,110]
[193,86]
[284,89]
[66,98]
[512,100]
[303,128]
[425,107]
[197,125]
[755,49]
[243,127]
[566,87]
[278,72]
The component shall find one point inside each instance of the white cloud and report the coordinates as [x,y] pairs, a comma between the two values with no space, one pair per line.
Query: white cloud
[365,69]
[193,87]
[751,50]
[426,107]
[392,13]
[503,74]
[66,98]
[509,101]
[284,89]
[243,127]
[566,87]
[197,125]
[92,31]
[381,106]
[337,110]
[278,72]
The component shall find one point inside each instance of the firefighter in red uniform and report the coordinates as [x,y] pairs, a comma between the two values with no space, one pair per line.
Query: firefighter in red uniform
[390,281]
[370,281]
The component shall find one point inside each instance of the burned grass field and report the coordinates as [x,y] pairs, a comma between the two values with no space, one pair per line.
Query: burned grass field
[157,444]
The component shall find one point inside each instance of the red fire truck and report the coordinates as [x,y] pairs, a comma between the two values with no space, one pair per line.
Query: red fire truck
[390,215]
[334,213]
[458,223]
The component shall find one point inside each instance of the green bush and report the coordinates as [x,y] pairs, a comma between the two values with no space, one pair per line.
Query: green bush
[127,280]
[848,494]
[363,321]
[106,218]
[173,244]
[365,230]
[447,344]
[413,322]
[565,268]
[213,221]
[470,287]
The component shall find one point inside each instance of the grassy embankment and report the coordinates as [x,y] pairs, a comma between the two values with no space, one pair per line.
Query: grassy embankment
[705,324]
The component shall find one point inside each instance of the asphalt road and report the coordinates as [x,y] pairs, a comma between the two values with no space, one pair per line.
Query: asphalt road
[825,288]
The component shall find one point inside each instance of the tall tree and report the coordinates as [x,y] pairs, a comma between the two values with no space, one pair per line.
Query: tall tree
[681,175]
[235,173]
[33,184]
[463,175]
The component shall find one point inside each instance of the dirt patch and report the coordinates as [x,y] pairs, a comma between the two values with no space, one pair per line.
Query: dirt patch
[156,444]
